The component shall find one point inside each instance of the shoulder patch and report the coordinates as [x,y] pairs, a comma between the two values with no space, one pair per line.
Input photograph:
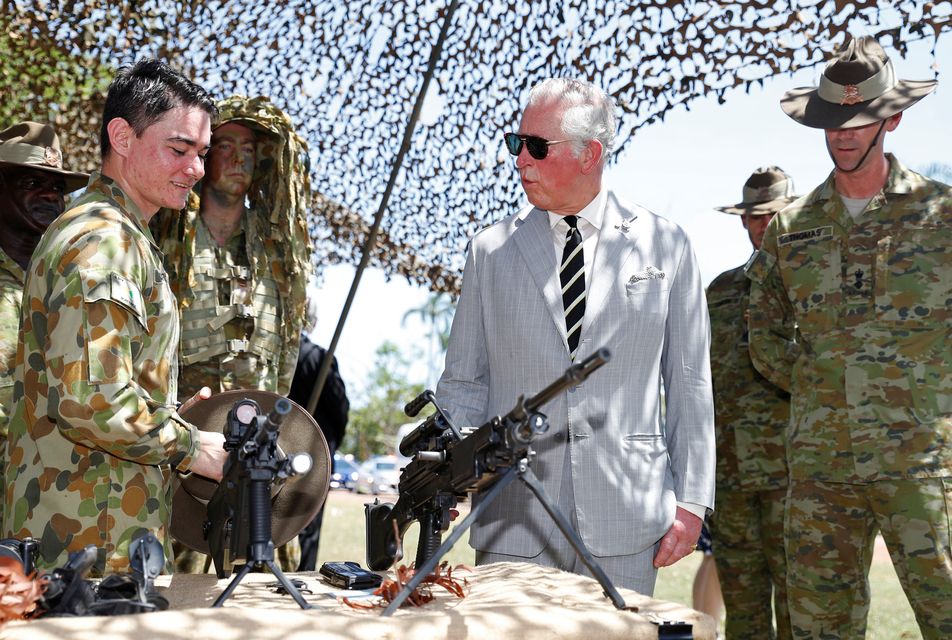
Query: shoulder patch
[819,233]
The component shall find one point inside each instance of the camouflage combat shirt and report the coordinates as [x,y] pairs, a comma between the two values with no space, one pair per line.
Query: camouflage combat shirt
[868,363]
[751,413]
[95,435]
[11,289]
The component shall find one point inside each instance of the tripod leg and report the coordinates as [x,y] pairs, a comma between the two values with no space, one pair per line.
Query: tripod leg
[530,479]
[245,570]
[287,584]
[457,533]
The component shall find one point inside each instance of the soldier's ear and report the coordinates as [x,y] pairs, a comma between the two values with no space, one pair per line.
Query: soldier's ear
[893,121]
[121,134]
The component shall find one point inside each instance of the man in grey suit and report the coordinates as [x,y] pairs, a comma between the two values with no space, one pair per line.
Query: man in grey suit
[633,478]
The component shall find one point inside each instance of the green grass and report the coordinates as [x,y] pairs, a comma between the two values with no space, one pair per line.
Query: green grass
[342,538]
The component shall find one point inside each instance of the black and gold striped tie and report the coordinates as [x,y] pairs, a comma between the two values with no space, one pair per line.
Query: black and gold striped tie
[572,277]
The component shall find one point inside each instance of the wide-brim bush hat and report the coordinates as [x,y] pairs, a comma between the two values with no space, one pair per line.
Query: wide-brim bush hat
[294,502]
[858,87]
[36,146]
[767,190]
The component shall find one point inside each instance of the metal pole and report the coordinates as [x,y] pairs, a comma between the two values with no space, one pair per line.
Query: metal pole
[378,218]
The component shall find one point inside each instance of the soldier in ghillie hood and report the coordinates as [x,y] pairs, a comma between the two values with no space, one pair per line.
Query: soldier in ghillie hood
[239,260]
[849,311]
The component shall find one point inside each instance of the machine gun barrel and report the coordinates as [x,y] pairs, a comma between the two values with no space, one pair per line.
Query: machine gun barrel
[576,374]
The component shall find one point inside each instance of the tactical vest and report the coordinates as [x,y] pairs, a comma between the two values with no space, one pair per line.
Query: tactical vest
[252,305]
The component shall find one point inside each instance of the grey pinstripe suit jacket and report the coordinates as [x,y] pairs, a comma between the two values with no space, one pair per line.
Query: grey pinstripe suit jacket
[646,304]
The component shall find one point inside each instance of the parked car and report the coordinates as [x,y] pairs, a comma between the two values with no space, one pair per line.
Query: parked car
[379,474]
[344,473]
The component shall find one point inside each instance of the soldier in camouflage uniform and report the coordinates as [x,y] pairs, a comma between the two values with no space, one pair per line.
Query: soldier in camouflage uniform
[33,185]
[95,434]
[751,416]
[239,262]
[851,310]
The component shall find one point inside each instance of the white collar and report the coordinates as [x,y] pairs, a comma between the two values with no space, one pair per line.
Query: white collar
[593,213]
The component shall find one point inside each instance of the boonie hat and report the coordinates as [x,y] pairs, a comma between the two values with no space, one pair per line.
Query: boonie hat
[293,503]
[857,88]
[36,146]
[767,190]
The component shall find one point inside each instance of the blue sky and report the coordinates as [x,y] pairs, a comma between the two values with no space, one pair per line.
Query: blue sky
[681,168]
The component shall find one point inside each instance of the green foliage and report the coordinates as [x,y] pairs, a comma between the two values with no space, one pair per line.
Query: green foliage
[374,423]
[59,83]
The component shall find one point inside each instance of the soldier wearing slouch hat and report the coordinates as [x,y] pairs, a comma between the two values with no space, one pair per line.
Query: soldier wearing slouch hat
[33,188]
[849,311]
[750,423]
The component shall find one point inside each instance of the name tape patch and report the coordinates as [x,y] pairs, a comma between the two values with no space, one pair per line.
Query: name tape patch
[820,233]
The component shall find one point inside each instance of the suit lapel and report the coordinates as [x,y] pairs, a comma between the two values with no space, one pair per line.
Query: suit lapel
[533,237]
[613,250]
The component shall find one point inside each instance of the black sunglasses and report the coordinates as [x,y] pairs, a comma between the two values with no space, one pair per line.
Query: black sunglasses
[538,147]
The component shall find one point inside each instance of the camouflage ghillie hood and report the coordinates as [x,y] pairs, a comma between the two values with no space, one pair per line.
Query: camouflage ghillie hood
[278,199]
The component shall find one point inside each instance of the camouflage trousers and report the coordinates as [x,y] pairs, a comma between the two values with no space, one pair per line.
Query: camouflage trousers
[187,561]
[747,529]
[830,531]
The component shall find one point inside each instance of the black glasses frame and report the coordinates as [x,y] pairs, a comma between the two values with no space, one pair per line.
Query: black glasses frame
[537,147]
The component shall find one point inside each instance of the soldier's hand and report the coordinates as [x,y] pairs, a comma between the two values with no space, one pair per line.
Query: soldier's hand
[680,540]
[203,394]
[211,455]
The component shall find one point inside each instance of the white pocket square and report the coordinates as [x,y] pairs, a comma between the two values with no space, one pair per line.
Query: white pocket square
[648,273]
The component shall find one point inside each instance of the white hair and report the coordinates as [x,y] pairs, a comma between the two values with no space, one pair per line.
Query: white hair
[589,112]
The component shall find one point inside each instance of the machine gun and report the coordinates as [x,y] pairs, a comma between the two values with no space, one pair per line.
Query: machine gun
[448,465]
[238,524]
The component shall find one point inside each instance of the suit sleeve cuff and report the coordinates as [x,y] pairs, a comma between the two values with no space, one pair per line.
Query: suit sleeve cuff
[697,509]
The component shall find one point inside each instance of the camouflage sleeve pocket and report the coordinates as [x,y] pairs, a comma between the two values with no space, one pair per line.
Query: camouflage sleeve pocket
[111,302]
[759,266]
[112,287]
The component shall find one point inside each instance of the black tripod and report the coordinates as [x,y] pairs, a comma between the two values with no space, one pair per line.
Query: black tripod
[521,471]
[260,545]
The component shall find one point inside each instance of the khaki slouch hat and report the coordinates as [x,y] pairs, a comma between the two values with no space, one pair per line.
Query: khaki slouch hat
[767,190]
[857,88]
[32,145]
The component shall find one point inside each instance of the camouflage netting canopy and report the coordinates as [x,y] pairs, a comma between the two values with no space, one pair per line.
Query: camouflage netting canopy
[348,73]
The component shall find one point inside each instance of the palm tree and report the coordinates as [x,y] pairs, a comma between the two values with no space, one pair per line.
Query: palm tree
[436,313]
